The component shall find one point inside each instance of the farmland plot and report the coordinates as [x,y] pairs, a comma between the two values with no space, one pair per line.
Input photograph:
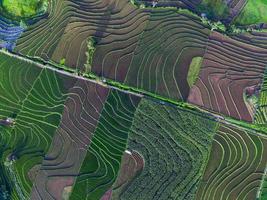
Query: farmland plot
[230,69]
[69,146]
[9,33]
[54,119]
[115,25]
[166,48]
[254,38]
[102,162]
[174,148]
[236,165]
[35,117]
[12,95]
[131,165]
[35,125]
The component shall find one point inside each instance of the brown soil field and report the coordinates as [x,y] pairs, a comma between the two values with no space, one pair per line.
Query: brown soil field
[229,67]
[166,48]
[114,24]
[132,164]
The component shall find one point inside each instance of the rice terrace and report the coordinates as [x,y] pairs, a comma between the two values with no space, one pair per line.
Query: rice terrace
[133,100]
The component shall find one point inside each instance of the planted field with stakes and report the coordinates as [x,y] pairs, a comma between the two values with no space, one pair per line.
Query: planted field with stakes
[175,145]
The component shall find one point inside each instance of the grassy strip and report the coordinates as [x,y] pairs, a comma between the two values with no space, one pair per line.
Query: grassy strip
[256,127]
[89,54]
[194,70]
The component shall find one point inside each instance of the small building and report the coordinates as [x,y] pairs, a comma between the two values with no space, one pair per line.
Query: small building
[7,122]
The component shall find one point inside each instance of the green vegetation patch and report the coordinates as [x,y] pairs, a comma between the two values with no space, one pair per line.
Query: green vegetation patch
[193,71]
[101,165]
[14,89]
[33,99]
[263,189]
[175,144]
[35,125]
[214,9]
[254,12]
[89,54]
[24,8]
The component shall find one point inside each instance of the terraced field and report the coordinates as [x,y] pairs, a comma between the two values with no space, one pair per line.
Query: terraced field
[69,146]
[65,33]
[102,162]
[35,125]
[229,69]
[254,38]
[236,165]
[132,165]
[164,53]
[9,33]
[143,113]
[48,142]
[36,118]
[175,150]
[12,96]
